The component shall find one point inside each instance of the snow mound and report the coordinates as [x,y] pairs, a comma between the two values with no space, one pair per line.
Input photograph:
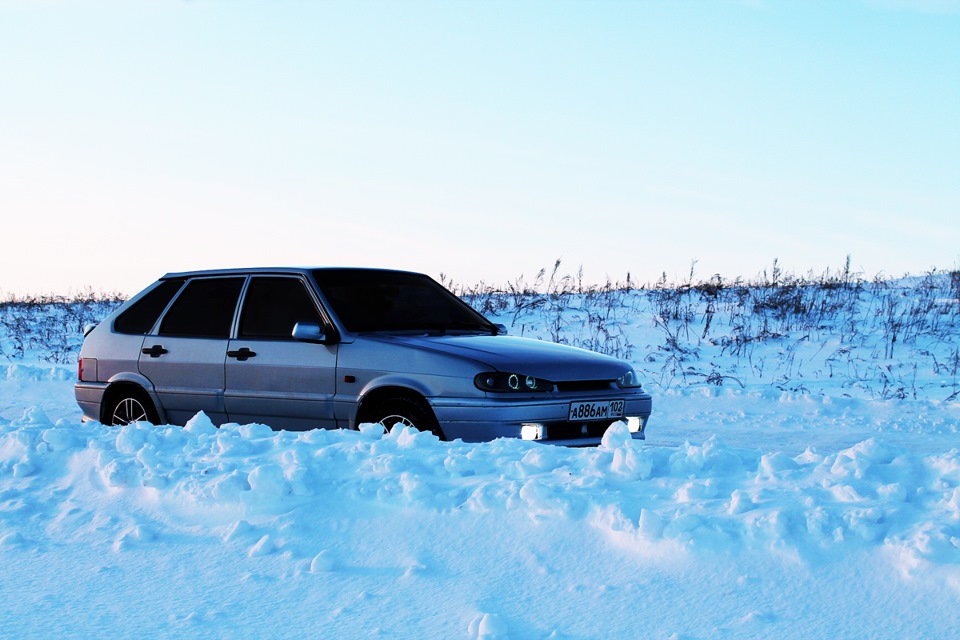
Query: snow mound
[403,517]
[699,496]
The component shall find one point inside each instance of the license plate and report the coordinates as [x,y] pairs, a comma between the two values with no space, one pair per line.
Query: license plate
[606,410]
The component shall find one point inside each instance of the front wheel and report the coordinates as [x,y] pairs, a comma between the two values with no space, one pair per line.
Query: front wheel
[406,412]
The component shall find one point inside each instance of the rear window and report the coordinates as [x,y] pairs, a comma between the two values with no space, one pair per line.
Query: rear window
[204,309]
[143,314]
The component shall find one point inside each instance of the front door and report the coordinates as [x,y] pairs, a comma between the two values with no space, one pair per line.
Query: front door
[270,377]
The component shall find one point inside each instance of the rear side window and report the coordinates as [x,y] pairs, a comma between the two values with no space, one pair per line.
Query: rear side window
[272,306]
[204,309]
[143,314]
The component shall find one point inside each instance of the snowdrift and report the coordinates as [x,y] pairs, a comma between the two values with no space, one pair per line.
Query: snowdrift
[240,531]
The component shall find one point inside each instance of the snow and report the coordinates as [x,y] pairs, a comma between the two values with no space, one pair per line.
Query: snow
[751,511]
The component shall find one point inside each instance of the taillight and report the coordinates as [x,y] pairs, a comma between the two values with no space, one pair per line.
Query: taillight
[80,369]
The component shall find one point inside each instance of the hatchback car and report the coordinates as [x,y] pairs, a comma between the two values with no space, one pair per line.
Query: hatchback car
[301,348]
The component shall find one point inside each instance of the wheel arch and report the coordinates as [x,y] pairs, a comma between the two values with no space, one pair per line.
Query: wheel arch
[130,383]
[372,397]
[376,395]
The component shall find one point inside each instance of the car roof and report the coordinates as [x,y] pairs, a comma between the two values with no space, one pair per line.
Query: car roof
[262,270]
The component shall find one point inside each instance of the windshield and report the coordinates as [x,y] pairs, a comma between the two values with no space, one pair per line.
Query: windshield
[373,300]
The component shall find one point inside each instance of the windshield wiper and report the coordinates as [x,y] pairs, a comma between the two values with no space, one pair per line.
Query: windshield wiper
[441,328]
[438,328]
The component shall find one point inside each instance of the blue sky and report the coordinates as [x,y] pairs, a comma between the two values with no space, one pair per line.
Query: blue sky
[482,140]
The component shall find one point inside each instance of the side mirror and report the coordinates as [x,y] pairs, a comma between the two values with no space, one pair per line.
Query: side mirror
[311,333]
[87,328]
[501,329]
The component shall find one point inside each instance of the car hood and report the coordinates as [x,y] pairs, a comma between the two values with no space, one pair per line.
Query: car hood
[556,362]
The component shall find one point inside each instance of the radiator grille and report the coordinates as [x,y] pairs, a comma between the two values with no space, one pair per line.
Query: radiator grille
[585,385]
[573,430]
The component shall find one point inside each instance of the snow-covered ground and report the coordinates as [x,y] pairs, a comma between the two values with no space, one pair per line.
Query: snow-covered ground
[808,505]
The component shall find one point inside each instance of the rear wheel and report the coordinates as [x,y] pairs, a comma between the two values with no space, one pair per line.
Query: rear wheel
[405,412]
[129,405]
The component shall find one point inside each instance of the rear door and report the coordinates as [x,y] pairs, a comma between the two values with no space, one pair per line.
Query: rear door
[270,377]
[185,357]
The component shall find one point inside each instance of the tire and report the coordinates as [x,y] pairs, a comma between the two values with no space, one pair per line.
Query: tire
[129,405]
[406,412]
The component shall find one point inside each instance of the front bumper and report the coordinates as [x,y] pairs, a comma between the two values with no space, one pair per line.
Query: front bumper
[484,419]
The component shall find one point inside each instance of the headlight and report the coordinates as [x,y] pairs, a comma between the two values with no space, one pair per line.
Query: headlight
[629,380]
[511,382]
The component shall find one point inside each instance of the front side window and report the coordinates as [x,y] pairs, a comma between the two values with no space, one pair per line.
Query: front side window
[272,306]
[204,309]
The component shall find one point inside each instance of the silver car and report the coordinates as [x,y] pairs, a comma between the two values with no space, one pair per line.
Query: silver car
[337,347]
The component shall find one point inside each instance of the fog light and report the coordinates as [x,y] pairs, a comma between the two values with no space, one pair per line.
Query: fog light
[533,431]
[634,424]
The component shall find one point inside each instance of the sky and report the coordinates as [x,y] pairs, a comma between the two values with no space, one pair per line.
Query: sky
[478,140]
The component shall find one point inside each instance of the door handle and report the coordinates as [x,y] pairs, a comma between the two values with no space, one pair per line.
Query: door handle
[241,354]
[155,351]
